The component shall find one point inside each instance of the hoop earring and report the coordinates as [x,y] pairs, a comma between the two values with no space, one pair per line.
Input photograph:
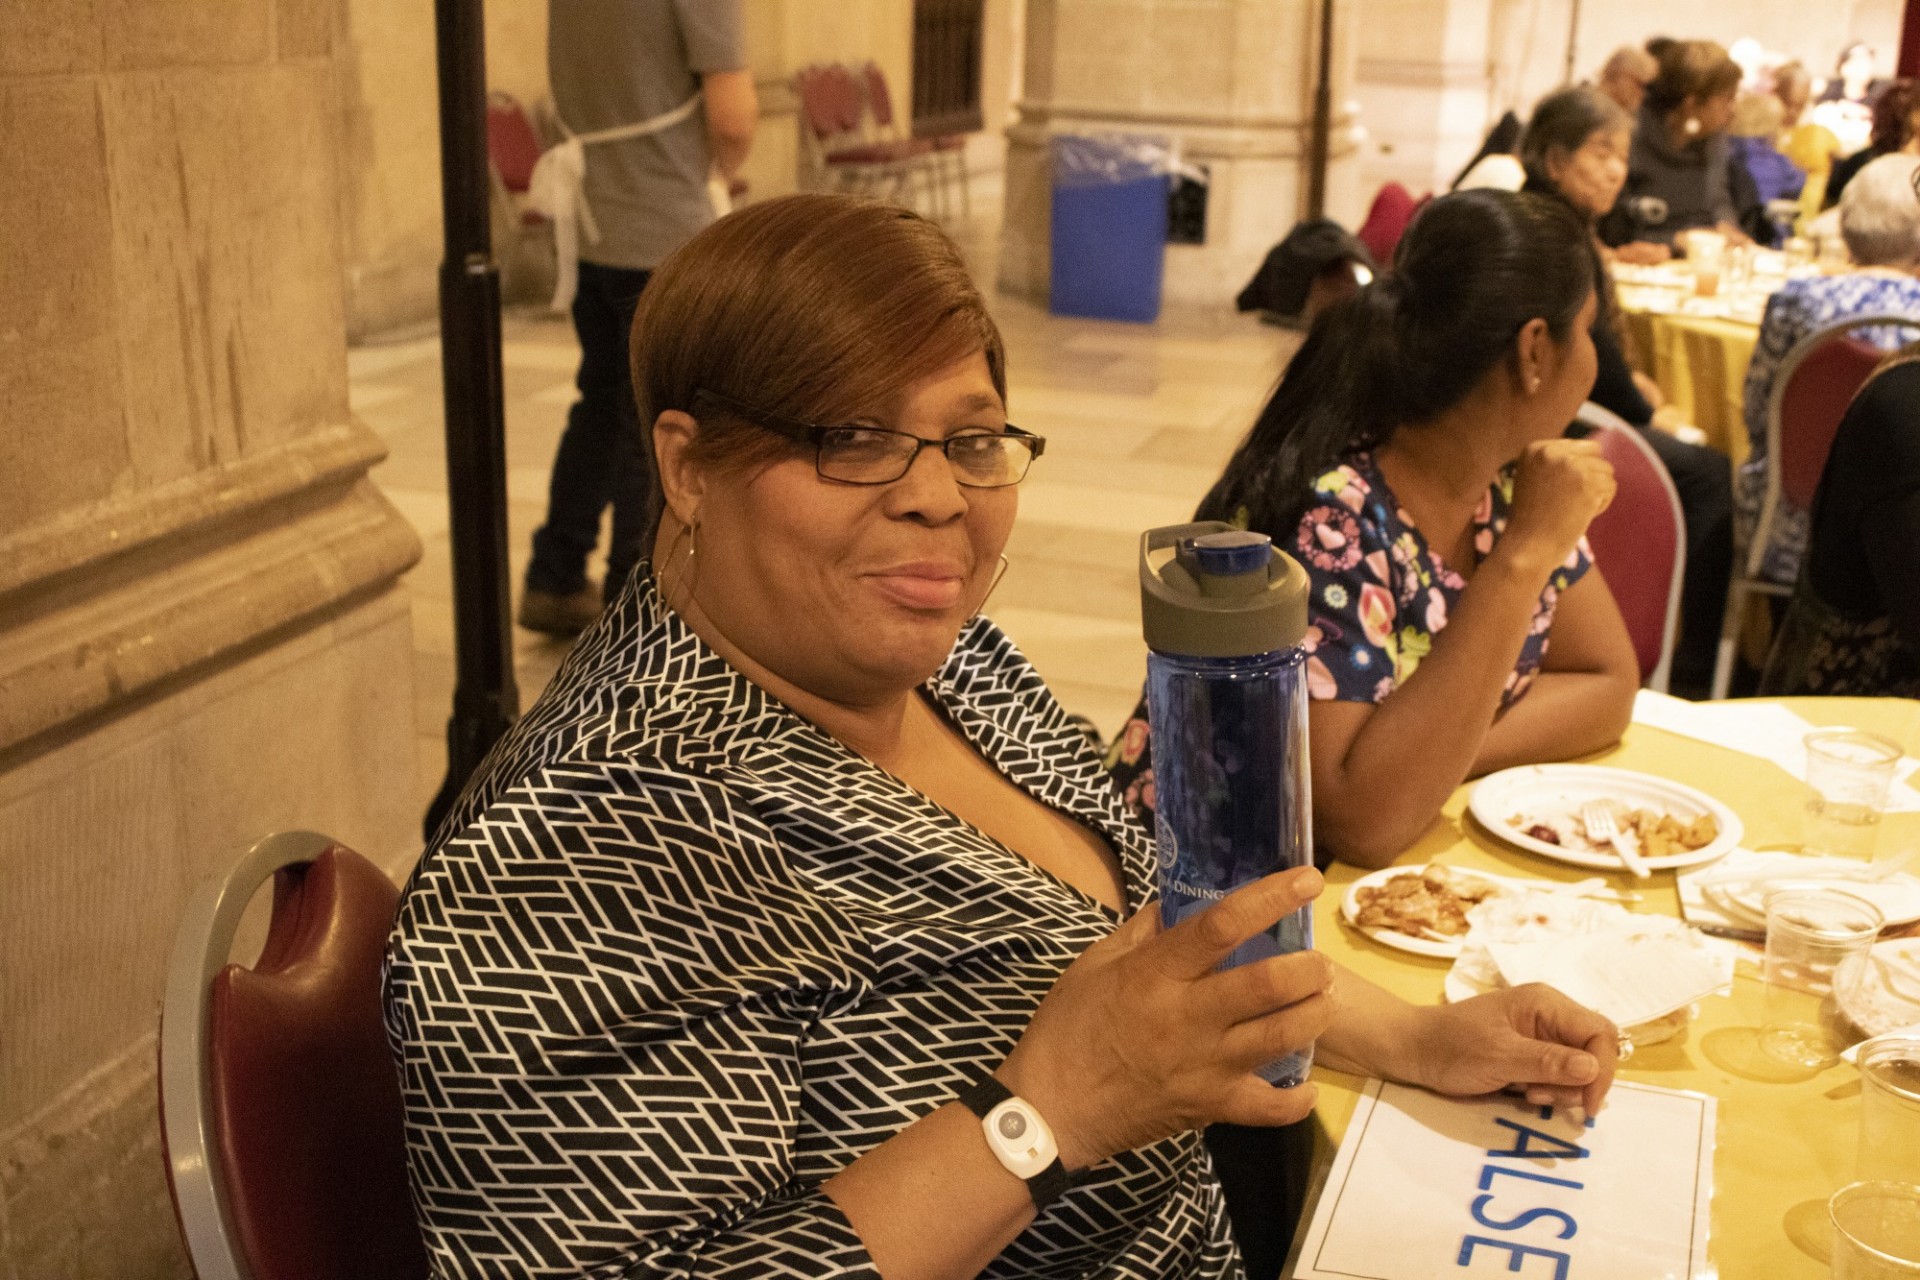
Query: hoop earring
[688,577]
[998,574]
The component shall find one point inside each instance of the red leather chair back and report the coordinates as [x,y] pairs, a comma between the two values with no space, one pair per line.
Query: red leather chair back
[879,97]
[1811,405]
[1638,542]
[512,144]
[303,1090]
[1393,208]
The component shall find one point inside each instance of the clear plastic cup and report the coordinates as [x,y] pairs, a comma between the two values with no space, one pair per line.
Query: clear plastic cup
[1848,776]
[1706,255]
[1890,1109]
[1811,932]
[1876,1231]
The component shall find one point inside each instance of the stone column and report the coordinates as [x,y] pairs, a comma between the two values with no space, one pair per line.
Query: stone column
[1425,88]
[201,639]
[1230,80]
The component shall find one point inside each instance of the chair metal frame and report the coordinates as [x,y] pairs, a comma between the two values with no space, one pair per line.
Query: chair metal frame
[1749,561]
[200,952]
[1600,418]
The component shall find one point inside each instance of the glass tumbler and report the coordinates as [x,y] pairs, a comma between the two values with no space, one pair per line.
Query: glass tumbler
[1848,776]
[1810,933]
[1890,1109]
[1876,1231]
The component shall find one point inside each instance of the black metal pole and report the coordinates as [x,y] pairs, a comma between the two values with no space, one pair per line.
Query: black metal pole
[485,701]
[1321,136]
[1573,41]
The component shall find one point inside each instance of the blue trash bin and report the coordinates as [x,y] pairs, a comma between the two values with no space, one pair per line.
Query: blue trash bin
[1109,229]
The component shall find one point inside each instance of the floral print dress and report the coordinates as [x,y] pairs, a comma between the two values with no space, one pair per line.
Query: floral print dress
[1378,596]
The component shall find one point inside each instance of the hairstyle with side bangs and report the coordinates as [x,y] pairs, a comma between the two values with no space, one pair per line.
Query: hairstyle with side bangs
[1697,69]
[819,308]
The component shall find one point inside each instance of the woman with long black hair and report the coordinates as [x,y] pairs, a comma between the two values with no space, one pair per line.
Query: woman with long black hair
[1412,459]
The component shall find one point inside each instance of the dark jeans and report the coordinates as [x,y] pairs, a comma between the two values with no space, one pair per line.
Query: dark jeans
[1264,1174]
[600,459]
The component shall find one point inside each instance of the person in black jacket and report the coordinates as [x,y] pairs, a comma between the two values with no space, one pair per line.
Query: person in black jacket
[1575,150]
[1896,123]
[1853,627]
[1679,174]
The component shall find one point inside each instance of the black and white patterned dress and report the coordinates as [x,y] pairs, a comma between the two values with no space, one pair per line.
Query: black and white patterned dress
[678,957]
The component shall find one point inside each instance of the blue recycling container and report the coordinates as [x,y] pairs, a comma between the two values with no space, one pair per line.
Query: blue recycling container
[1109,230]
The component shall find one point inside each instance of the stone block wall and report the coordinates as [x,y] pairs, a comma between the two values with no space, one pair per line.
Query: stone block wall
[1229,81]
[201,639]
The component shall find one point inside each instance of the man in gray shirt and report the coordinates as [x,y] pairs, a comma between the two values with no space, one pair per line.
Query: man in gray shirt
[614,63]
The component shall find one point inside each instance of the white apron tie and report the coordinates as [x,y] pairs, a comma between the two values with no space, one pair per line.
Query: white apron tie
[558,191]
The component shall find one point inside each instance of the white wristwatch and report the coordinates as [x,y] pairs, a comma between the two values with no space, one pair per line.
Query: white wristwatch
[1019,1138]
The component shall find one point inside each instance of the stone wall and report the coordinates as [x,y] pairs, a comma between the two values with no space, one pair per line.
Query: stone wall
[200,636]
[1230,81]
[389,106]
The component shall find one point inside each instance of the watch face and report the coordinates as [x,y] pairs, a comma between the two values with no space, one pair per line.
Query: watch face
[1013,1125]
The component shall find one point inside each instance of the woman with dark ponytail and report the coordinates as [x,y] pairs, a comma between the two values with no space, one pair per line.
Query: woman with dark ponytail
[1412,459]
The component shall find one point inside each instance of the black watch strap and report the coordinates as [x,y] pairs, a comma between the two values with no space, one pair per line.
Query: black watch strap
[1046,1186]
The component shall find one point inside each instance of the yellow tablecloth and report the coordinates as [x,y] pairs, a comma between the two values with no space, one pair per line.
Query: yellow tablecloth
[1784,1144]
[1700,363]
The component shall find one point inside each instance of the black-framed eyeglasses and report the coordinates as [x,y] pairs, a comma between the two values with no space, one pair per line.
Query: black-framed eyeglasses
[875,455]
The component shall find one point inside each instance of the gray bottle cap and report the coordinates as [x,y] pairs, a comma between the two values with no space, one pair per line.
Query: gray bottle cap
[1205,591]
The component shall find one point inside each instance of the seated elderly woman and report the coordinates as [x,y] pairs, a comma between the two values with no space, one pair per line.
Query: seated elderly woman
[797,868]
[1852,628]
[1575,151]
[1880,218]
[1680,174]
[1412,460]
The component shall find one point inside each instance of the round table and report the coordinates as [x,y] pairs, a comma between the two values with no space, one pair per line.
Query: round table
[1785,1142]
[1700,363]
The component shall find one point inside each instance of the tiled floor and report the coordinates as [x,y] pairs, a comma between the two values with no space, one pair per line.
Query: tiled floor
[1139,419]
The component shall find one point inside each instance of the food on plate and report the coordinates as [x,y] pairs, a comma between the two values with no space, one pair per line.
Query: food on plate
[1660,835]
[1431,902]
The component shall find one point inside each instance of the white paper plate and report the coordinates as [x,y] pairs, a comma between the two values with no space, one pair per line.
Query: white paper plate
[1440,948]
[1879,1001]
[1558,790]
[1898,898]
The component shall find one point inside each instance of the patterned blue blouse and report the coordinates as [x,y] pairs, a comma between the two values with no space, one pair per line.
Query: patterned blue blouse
[1379,595]
[1800,307]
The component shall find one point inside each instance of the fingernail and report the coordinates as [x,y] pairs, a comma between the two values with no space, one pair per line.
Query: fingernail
[1579,1114]
[1312,881]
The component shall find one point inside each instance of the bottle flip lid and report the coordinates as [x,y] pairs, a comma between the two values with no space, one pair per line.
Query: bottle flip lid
[1210,590]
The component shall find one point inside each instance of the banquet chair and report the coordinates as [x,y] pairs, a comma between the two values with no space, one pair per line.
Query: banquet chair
[938,150]
[279,1105]
[1816,382]
[1388,218]
[1640,543]
[841,156]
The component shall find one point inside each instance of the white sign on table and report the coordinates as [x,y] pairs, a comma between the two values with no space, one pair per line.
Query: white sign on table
[1426,1187]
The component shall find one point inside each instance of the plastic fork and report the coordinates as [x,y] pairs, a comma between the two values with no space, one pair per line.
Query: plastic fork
[1602,829]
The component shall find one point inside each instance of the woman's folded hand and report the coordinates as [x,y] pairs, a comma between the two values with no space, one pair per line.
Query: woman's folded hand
[1141,1038]
[1531,1038]
[1561,485]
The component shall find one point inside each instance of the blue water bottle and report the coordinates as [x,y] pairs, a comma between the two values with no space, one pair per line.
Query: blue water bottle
[1224,613]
